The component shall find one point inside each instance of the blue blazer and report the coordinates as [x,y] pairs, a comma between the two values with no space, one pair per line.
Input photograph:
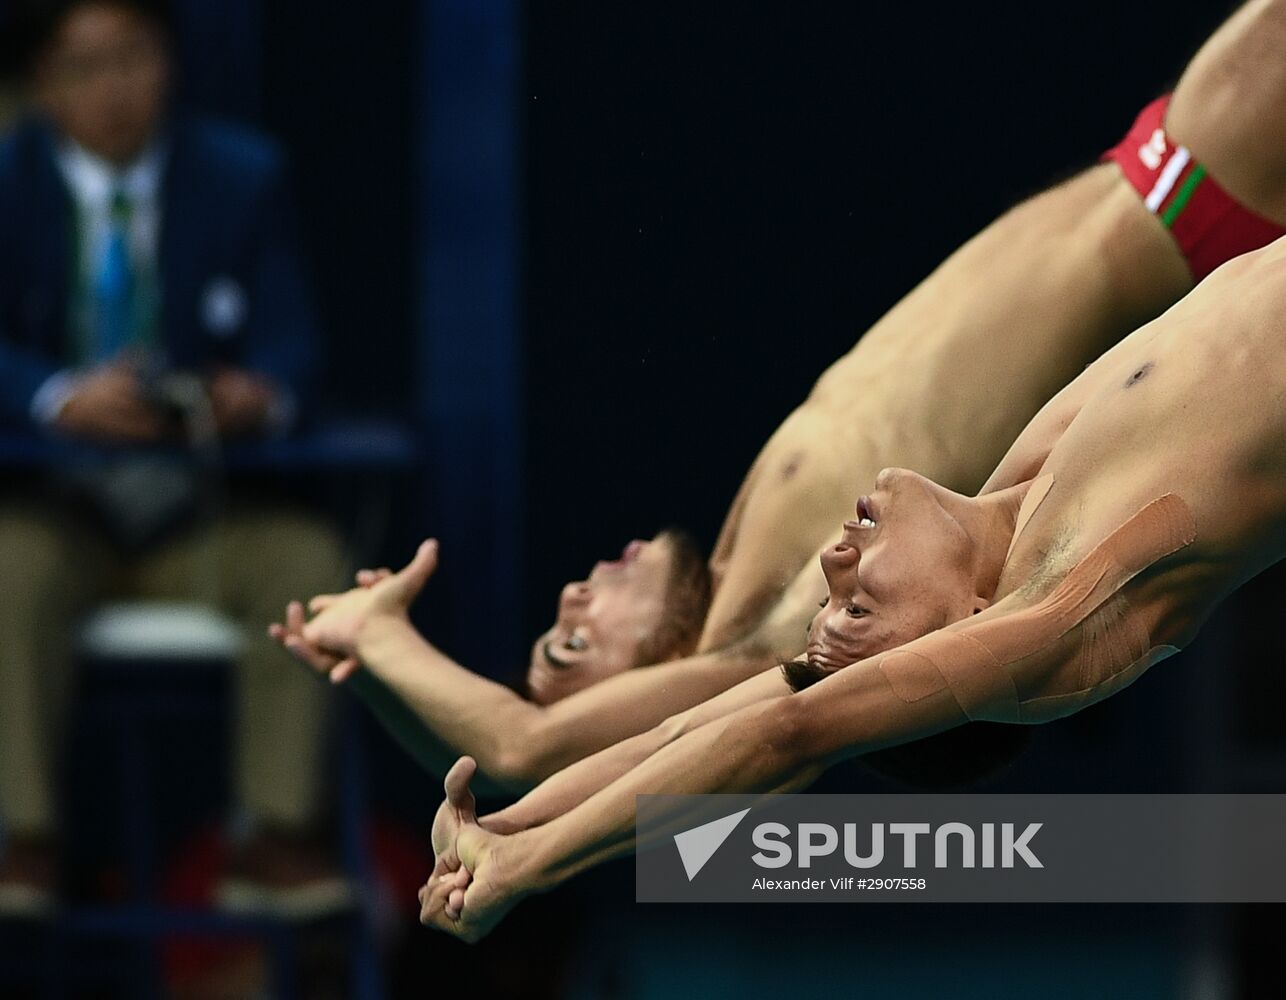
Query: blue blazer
[231,279]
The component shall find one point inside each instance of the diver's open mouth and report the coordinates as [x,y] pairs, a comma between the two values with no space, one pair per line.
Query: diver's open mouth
[628,554]
[552,656]
[865,513]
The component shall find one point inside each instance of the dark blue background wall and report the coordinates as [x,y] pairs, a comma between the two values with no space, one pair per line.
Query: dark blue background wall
[596,251]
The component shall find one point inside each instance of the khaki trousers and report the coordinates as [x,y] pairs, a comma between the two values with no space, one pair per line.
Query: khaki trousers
[54,566]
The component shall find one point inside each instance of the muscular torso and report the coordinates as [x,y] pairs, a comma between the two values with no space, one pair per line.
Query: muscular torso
[943,383]
[1192,404]
[948,378]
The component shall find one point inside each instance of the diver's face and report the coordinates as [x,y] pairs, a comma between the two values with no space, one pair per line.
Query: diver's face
[901,569]
[104,80]
[603,621]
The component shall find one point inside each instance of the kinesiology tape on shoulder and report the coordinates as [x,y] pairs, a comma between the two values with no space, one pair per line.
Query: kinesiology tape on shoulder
[981,661]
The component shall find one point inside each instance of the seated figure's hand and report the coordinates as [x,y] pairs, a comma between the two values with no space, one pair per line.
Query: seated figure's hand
[341,619]
[241,400]
[108,404]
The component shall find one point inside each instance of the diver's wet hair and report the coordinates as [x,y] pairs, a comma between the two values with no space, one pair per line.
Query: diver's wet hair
[688,592]
[800,674]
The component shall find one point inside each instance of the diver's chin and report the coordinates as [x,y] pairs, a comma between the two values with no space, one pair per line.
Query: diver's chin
[824,657]
[546,685]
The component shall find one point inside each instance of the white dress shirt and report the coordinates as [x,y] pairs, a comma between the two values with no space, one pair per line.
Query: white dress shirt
[92,181]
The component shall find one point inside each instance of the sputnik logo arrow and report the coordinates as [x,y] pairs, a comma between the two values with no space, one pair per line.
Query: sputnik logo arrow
[697,846]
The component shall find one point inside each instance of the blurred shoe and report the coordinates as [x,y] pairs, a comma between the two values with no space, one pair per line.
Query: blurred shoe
[28,878]
[286,877]
[242,972]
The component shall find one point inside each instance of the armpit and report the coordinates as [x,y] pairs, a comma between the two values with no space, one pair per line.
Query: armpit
[1077,645]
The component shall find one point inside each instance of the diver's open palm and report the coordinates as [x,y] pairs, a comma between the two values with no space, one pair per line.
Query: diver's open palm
[340,618]
[469,902]
[459,810]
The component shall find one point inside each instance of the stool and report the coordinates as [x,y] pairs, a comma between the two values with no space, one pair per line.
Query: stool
[166,654]
[162,648]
